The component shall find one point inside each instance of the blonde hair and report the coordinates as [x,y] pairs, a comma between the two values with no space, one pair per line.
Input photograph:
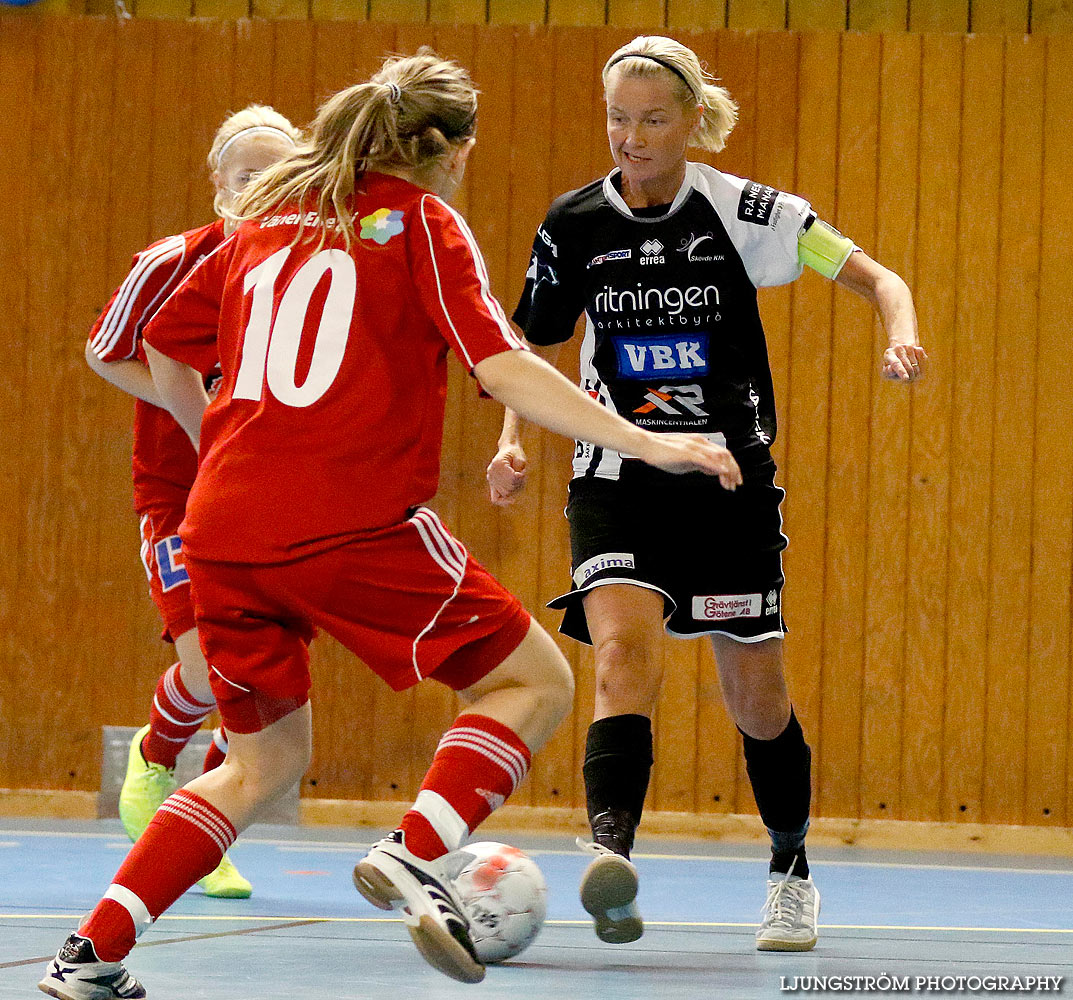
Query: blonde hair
[410,114]
[259,116]
[649,55]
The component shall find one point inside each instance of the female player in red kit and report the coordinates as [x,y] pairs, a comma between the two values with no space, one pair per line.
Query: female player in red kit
[164,465]
[336,306]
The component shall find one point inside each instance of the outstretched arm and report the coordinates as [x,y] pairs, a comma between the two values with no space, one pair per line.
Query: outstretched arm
[506,473]
[537,392]
[890,296]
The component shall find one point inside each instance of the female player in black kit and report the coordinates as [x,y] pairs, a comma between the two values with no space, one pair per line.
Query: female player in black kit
[664,257]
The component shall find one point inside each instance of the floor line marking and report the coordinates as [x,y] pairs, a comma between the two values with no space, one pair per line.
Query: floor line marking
[179,940]
[332,846]
[291,922]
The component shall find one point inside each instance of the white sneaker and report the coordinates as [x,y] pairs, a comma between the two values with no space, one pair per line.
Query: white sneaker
[77,974]
[392,878]
[789,915]
[609,895]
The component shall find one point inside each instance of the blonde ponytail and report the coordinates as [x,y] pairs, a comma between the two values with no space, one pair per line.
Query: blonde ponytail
[409,114]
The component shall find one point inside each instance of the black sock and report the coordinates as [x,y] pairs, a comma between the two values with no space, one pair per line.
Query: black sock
[780,771]
[618,762]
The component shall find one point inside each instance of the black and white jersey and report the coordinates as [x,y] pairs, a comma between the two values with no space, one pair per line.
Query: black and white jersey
[673,340]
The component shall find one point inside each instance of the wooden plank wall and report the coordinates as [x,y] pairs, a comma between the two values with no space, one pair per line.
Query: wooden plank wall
[931,529]
[1003,16]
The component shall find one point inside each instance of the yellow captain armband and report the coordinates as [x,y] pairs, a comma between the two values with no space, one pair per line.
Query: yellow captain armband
[823,248]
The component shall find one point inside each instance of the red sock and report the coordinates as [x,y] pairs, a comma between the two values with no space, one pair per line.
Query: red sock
[478,763]
[217,751]
[184,841]
[175,716]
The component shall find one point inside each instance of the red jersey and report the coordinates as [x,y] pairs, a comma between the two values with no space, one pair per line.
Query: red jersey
[164,462]
[329,417]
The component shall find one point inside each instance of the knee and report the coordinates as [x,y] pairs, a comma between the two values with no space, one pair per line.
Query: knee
[558,693]
[625,653]
[266,780]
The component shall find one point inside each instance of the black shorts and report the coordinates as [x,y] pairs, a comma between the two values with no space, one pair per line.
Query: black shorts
[714,555]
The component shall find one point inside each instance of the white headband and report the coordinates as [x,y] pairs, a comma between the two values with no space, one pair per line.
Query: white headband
[247,131]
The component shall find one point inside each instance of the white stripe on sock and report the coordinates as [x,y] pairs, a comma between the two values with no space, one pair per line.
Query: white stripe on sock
[188,706]
[192,724]
[509,768]
[509,759]
[184,808]
[508,749]
[130,902]
[449,826]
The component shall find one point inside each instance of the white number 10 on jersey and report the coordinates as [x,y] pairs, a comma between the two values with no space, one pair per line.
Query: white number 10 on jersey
[270,349]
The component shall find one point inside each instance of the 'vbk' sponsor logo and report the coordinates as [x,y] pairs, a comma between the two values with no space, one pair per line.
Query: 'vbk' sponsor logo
[662,356]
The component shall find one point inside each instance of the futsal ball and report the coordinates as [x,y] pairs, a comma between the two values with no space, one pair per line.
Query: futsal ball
[505,897]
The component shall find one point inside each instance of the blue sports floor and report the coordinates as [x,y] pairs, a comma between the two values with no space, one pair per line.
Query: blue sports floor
[307,933]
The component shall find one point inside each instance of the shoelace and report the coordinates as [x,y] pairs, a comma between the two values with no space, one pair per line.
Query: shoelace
[785,901]
[591,847]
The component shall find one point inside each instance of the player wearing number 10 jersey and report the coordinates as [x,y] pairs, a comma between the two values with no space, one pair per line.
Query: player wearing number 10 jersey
[336,304]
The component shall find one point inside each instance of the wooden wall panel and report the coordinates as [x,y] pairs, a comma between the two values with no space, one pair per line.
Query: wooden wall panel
[852,363]
[929,572]
[935,287]
[959,16]
[816,15]
[1047,791]
[973,372]
[1010,611]
[18,65]
[888,487]
[877,15]
[37,442]
[999,16]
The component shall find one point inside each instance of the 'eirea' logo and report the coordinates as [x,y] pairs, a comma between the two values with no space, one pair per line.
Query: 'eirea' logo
[381,225]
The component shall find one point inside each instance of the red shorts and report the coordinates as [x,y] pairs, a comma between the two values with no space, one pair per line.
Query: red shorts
[409,600]
[162,557]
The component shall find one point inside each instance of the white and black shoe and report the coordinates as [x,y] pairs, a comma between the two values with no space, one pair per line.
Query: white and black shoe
[77,974]
[609,885]
[790,914]
[392,878]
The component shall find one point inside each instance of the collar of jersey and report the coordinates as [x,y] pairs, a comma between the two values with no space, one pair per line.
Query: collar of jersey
[617,202]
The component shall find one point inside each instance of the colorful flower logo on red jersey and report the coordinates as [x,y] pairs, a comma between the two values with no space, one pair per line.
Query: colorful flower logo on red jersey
[381,225]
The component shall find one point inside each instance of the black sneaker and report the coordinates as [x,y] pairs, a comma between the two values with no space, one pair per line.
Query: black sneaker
[77,974]
[614,830]
[609,885]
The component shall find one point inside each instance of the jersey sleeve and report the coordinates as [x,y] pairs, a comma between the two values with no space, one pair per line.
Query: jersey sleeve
[186,326]
[553,296]
[763,223]
[153,274]
[452,283]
